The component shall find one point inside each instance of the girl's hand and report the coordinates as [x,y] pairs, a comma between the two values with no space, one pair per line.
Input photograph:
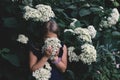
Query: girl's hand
[56,55]
[48,52]
[57,52]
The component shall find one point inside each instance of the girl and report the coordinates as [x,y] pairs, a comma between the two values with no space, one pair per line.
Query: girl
[37,59]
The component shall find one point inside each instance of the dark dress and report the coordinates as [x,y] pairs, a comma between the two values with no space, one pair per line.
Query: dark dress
[55,73]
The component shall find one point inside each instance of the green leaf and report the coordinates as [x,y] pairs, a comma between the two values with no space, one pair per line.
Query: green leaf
[116,4]
[74,13]
[27,2]
[59,10]
[84,12]
[4,50]
[13,59]
[72,7]
[69,75]
[116,34]
[78,24]
[61,24]
[10,22]
[95,9]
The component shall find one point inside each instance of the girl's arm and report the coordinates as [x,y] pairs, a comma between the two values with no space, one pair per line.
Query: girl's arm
[62,65]
[35,63]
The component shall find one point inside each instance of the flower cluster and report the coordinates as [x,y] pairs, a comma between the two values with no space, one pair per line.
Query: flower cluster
[22,38]
[111,20]
[72,55]
[88,54]
[83,31]
[83,35]
[92,31]
[41,13]
[55,43]
[43,73]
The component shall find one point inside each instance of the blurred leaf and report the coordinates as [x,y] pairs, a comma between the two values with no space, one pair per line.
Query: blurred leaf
[72,7]
[59,10]
[116,4]
[27,2]
[74,13]
[13,59]
[95,9]
[78,24]
[69,75]
[4,50]
[10,22]
[84,12]
[61,24]
[116,34]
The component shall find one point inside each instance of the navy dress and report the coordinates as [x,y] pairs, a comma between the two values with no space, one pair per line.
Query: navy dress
[55,73]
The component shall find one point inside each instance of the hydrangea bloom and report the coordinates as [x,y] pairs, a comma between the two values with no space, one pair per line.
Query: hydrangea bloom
[72,55]
[43,73]
[41,13]
[114,16]
[88,54]
[55,43]
[83,35]
[92,31]
[46,12]
[22,38]
[31,13]
[111,20]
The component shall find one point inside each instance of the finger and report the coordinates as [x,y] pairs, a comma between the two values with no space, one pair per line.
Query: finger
[56,53]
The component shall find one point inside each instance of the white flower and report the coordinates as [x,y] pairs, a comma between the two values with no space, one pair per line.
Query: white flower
[114,16]
[88,54]
[55,43]
[101,7]
[41,12]
[72,55]
[83,35]
[68,30]
[46,12]
[47,66]
[14,0]
[22,38]
[87,5]
[92,31]
[31,13]
[72,24]
[43,73]
[117,65]
[111,20]
[112,0]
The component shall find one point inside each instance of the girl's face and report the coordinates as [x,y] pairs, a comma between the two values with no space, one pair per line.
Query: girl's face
[51,35]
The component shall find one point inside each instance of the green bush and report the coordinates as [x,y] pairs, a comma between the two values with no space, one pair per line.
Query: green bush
[81,13]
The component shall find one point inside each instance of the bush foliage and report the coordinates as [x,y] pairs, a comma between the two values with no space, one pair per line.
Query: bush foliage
[14,55]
